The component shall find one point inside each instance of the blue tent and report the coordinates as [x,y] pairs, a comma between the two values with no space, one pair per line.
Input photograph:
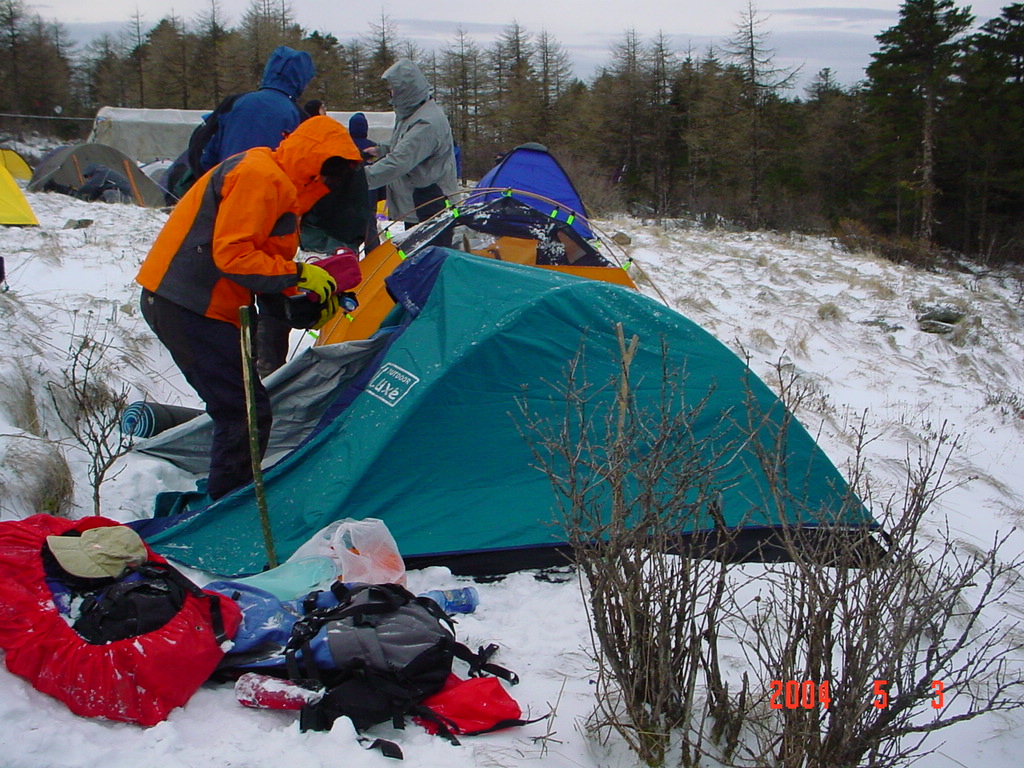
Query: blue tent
[431,436]
[532,169]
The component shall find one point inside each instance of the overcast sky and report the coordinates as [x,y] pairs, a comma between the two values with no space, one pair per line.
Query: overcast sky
[809,34]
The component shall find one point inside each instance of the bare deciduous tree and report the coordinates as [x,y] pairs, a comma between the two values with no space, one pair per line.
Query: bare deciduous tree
[91,409]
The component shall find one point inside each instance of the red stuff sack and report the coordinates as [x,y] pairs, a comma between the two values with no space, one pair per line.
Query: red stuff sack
[343,266]
[471,707]
[268,692]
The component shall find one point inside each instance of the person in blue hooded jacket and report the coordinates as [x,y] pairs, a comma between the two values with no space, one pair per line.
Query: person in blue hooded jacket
[263,117]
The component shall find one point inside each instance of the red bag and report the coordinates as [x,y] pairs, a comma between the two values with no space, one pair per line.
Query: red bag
[473,706]
[343,266]
[137,680]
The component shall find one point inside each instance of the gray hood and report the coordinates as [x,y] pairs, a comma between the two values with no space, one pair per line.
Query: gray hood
[408,85]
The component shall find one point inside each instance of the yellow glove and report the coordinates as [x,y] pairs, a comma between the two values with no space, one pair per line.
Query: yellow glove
[318,280]
[330,309]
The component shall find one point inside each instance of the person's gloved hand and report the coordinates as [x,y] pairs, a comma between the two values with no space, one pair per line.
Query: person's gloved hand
[318,280]
[330,309]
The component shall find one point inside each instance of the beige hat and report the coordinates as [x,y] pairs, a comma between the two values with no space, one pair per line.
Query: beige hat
[98,552]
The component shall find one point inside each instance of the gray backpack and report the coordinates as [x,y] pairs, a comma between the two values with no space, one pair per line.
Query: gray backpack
[390,650]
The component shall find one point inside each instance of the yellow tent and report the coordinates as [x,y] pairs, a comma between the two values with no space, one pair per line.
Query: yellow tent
[15,164]
[14,208]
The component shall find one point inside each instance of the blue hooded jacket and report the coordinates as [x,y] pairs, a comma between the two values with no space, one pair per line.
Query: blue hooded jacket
[262,118]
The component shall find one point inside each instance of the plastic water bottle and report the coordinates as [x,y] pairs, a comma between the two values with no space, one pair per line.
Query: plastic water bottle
[464,600]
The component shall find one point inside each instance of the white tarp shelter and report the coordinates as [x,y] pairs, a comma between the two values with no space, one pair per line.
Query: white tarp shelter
[150,134]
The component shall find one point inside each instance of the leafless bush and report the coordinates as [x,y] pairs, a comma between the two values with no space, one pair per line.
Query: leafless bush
[91,409]
[627,487]
[853,651]
[863,650]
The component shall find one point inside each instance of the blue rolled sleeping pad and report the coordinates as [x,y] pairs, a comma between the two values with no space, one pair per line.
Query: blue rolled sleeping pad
[143,419]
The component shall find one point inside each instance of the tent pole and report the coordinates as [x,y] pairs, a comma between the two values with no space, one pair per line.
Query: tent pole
[131,180]
[254,437]
[78,170]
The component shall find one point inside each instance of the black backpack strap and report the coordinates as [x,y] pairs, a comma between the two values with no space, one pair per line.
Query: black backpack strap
[205,131]
[387,748]
[480,664]
[445,727]
[436,611]
[502,724]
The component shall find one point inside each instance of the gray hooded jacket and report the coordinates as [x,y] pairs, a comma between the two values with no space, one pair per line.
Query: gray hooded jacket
[420,152]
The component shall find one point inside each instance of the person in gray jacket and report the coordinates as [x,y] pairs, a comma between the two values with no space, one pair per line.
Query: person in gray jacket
[417,165]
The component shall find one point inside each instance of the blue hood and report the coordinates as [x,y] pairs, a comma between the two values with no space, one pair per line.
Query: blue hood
[358,126]
[288,71]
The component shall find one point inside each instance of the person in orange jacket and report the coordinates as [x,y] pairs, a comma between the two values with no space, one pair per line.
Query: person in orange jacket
[232,235]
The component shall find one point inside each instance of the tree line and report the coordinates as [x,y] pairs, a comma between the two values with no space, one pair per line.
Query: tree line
[920,157]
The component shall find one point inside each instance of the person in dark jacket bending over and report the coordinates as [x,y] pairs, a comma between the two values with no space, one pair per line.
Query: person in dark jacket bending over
[418,163]
[235,234]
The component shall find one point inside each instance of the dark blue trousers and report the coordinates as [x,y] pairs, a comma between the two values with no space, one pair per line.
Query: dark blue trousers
[209,354]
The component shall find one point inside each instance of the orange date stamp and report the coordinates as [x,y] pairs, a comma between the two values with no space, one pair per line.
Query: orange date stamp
[808,694]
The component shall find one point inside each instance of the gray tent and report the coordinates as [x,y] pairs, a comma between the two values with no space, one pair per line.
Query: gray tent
[66,165]
[299,393]
[148,134]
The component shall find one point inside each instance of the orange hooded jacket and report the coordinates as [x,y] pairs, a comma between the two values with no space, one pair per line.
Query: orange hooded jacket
[236,230]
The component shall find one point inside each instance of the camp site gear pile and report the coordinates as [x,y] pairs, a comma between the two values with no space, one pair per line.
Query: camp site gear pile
[375,651]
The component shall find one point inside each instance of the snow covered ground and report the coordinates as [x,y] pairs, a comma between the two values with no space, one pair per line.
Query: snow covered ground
[846,323]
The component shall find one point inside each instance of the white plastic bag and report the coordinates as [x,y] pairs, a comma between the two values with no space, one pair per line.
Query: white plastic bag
[364,550]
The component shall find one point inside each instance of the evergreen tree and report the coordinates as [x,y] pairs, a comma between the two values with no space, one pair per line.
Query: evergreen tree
[211,52]
[382,50]
[138,48]
[460,88]
[515,112]
[329,85]
[266,24]
[761,83]
[832,145]
[620,105]
[986,177]
[13,18]
[554,76]
[170,73]
[47,75]
[103,77]
[909,78]
[714,131]
[353,70]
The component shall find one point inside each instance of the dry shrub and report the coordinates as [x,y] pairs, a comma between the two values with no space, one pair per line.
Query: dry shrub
[601,197]
[857,648]
[902,639]
[90,408]
[829,311]
[34,478]
[856,237]
[626,489]
[19,401]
